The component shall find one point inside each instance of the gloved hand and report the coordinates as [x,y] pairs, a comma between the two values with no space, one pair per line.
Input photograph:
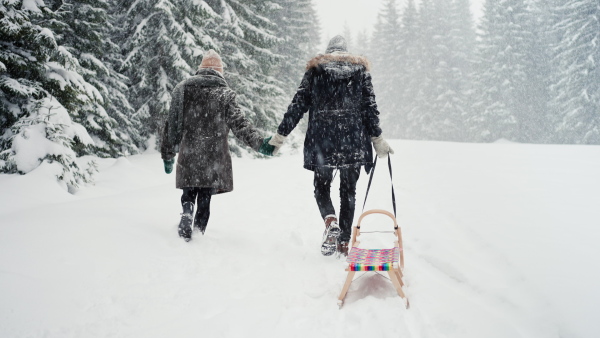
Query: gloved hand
[382,148]
[169,165]
[266,148]
[277,141]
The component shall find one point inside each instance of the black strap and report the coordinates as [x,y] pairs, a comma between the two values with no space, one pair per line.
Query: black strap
[371,180]
[392,182]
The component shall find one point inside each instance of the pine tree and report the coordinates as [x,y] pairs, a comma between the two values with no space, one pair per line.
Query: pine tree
[438,57]
[432,117]
[83,29]
[349,37]
[38,88]
[548,38]
[297,23]
[462,60]
[163,42]
[577,88]
[397,125]
[508,104]
[538,121]
[361,46]
[20,76]
[385,60]
[246,37]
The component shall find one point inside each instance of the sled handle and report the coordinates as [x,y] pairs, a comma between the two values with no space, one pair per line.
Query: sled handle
[377,211]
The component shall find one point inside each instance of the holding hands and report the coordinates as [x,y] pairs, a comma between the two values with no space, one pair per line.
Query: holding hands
[266,148]
[271,145]
[277,142]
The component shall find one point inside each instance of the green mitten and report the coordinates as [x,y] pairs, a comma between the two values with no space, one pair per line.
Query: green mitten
[266,148]
[169,165]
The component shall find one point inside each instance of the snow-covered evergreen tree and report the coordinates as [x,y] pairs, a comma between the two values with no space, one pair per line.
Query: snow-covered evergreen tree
[386,62]
[349,37]
[462,61]
[82,29]
[445,70]
[408,58]
[22,58]
[297,24]
[547,16]
[38,87]
[246,37]
[361,45]
[430,118]
[162,42]
[577,81]
[508,106]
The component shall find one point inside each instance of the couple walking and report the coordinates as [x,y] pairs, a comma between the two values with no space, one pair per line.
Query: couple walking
[337,93]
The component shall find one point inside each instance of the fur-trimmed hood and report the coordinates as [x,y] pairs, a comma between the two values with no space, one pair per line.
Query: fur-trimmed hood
[338,57]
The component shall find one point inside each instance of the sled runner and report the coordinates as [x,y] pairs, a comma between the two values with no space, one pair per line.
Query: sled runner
[390,260]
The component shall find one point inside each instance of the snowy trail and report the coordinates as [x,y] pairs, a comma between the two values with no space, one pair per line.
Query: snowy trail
[107,262]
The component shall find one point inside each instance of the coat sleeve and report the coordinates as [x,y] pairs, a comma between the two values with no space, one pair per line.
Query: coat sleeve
[300,104]
[173,127]
[241,127]
[371,118]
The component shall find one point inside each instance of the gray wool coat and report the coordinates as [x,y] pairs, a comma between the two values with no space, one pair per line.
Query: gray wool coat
[203,110]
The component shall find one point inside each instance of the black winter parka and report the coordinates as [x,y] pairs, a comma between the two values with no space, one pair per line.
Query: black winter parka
[342,114]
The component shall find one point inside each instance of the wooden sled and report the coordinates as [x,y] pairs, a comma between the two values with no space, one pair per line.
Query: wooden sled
[390,260]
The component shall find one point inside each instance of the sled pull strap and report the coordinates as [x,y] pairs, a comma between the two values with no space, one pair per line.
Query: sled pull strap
[392,182]
[371,180]
[369,185]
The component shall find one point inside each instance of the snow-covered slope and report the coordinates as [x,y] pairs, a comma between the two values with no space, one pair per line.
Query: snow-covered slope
[501,240]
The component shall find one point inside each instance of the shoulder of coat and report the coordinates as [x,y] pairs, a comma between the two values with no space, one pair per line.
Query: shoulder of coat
[338,57]
[228,93]
[180,85]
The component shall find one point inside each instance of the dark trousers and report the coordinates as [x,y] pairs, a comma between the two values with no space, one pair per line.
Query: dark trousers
[348,179]
[202,196]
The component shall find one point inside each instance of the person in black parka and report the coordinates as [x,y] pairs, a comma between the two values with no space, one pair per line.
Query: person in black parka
[343,122]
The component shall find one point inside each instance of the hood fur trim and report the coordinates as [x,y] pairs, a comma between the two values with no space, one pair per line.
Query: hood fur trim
[338,57]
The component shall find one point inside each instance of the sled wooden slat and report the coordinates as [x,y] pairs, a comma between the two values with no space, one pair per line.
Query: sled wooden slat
[390,260]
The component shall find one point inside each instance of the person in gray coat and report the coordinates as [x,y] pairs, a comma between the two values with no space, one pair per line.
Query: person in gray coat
[203,110]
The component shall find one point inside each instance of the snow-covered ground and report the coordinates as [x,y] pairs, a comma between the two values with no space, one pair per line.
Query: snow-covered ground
[501,240]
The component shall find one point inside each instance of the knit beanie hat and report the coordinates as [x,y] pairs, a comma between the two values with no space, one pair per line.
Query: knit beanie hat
[337,44]
[212,60]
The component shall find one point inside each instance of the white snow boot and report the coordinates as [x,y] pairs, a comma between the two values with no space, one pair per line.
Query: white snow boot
[330,236]
[185,225]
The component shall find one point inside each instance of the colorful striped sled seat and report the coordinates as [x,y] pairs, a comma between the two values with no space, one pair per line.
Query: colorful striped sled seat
[389,260]
[372,259]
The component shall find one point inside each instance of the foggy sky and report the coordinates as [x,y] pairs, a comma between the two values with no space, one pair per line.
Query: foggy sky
[358,14]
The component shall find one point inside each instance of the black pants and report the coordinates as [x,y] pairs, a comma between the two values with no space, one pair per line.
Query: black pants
[202,196]
[348,179]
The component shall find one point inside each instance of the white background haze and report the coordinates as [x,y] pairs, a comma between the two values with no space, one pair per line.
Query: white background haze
[360,15]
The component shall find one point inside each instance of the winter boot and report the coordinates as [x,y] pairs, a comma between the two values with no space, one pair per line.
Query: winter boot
[185,225]
[330,236]
[342,249]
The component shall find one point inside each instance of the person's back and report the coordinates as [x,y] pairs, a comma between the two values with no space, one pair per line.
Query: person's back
[206,117]
[337,134]
[203,110]
[343,122]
